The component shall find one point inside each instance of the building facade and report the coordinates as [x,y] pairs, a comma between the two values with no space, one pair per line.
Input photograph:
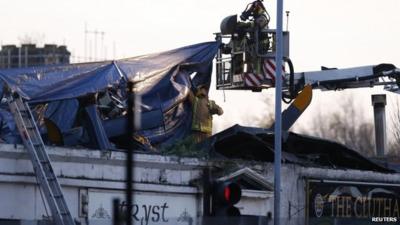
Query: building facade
[169,189]
[28,55]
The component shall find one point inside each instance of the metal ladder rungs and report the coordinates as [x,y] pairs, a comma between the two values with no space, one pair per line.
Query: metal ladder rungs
[37,144]
[51,179]
[30,127]
[33,142]
[24,112]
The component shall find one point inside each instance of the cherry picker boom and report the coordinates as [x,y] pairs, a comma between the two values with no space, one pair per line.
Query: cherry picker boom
[246,61]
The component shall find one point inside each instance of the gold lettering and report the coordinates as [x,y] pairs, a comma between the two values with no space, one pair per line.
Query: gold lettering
[340,206]
[396,209]
[365,213]
[332,200]
[373,204]
[348,206]
[380,201]
[387,208]
[359,201]
[368,206]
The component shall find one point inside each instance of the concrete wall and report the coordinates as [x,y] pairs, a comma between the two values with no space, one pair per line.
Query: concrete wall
[294,180]
[91,179]
[84,172]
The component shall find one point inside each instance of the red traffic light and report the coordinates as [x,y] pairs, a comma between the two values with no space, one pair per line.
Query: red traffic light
[224,196]
[228,193]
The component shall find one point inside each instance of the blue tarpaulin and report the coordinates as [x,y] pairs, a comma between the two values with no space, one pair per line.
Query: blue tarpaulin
[163,80]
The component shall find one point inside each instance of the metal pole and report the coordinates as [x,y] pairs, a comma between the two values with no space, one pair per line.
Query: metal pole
[129,155]
[9,58]
[116,212]
[379,103]
[287,20]
[19,57]
[206,191]
[26,56]
[278,116]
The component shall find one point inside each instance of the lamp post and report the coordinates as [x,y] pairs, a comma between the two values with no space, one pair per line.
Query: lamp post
[278,115]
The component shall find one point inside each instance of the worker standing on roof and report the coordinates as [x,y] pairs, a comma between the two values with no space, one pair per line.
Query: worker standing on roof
[203,110]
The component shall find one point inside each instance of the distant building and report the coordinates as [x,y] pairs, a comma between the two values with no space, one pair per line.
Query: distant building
[28,55]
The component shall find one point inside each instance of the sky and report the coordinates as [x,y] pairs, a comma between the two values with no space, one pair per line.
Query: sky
[341,33]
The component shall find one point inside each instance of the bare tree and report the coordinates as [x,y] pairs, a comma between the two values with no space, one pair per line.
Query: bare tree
[266,119]
[32,38]
[394,146]
[345,126]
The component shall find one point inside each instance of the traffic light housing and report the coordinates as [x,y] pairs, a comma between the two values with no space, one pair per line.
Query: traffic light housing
[224,196]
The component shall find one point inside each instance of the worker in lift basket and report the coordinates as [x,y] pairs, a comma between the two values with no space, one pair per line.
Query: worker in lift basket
[260,15]
[203,110]
[260,20]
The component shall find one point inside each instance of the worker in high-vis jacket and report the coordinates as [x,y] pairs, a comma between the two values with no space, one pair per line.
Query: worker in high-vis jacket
[203,110]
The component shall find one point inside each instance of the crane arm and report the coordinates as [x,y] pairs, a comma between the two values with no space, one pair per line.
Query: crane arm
[356,77]
[336,79]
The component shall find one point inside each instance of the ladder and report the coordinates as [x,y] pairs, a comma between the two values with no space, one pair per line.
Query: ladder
[33,142]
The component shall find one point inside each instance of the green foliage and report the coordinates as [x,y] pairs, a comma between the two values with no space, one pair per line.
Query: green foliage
[185,148]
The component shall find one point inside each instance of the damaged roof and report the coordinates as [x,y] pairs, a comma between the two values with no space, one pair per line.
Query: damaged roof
[258,144]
